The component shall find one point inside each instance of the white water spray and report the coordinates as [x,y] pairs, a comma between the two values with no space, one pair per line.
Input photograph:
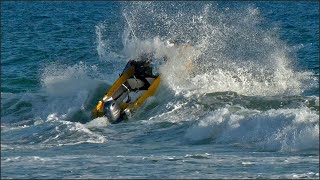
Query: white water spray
[216,50]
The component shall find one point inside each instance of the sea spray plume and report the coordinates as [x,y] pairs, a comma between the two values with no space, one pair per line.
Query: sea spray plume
[101,42]
[67,90]
[235,50]
[57,77]
[62,98]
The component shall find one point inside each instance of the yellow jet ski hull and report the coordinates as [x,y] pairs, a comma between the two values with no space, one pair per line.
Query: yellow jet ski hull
[117,103]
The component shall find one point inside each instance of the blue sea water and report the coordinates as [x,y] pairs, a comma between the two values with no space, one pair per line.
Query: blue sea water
[249,109]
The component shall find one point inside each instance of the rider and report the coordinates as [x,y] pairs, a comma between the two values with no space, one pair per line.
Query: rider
[143,69]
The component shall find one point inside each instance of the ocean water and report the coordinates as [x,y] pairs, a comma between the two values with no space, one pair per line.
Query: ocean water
[248,107]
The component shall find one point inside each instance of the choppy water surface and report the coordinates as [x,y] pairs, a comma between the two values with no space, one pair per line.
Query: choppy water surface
[249,107]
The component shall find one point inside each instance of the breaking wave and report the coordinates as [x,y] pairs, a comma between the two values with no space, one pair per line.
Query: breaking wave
[272,130]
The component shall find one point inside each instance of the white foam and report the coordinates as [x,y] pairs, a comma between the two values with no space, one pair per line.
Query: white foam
[26,159]
[93,137]
[98,123]
[279,130]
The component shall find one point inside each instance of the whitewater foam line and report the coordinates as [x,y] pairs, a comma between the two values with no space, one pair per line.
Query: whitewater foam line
[78,127]
[272,130]
[50,133]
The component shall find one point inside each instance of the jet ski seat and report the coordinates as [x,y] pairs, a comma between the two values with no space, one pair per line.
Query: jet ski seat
[134,83]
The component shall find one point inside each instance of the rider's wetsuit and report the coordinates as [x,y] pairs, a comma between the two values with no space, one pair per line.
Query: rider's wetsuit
[143,69]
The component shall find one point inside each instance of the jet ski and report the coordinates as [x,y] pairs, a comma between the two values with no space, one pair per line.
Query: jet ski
[135,84]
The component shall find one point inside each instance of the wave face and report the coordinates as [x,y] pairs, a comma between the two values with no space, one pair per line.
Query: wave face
[239,94]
